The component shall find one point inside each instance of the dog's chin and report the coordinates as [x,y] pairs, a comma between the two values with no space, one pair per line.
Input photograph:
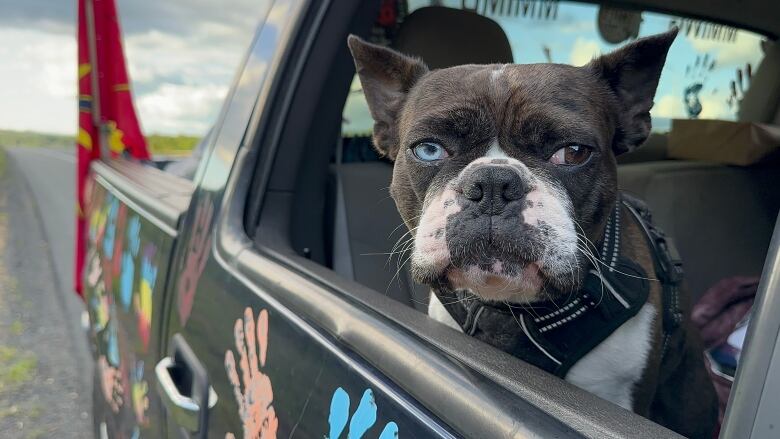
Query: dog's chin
[523,286]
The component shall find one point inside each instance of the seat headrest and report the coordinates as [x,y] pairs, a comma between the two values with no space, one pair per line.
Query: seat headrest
[445,37]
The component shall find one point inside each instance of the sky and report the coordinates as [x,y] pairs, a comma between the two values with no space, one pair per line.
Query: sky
[182,56]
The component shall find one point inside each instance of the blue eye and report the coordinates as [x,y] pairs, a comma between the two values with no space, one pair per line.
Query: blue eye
[429,152]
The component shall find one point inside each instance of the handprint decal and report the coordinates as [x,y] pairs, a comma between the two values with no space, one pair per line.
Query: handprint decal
[111,384]
[140,394]
[698,73]
[110,227]
[143,300]
[253,391]
[94,270]
[739,85]
[119,242]
[197,254]
[362,419]
[133,234]
[126,280]
[128,261]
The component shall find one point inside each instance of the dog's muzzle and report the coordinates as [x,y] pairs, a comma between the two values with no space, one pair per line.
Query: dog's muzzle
[498,230]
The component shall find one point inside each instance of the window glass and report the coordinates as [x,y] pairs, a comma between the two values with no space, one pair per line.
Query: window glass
[707,71]
[182,56]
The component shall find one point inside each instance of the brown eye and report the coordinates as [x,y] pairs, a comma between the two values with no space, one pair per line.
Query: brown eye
[571,155]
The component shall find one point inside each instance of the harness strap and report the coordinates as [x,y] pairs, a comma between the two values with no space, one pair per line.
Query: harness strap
[667,263]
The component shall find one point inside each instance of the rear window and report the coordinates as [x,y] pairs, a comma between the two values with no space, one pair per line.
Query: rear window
[707,71]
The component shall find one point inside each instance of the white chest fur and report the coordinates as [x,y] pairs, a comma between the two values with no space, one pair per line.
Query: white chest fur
[613,368]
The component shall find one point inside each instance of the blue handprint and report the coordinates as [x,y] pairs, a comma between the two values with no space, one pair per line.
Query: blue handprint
[133,230]
[108,238]
[363,418]
[126,284]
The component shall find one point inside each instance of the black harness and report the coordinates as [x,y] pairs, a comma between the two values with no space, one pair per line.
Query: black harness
[554,336]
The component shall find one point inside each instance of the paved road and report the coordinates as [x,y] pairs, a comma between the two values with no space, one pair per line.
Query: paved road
[48,394]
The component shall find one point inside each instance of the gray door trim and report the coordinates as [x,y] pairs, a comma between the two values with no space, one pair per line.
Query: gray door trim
[755,399]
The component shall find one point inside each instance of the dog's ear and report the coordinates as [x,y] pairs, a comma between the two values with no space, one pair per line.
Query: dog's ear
[632,73]
[386,76]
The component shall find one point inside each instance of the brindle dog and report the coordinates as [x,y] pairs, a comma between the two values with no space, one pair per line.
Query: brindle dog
[502,172]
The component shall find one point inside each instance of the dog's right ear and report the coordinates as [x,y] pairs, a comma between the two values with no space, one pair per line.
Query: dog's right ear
[386,76]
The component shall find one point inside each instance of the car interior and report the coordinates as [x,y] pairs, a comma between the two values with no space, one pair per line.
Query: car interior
[721,216]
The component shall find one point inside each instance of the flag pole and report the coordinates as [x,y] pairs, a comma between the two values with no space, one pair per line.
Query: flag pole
[94,75]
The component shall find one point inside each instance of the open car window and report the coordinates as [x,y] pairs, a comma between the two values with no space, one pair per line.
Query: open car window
[708,69]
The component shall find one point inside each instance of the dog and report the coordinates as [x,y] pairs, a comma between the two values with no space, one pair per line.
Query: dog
[507,177]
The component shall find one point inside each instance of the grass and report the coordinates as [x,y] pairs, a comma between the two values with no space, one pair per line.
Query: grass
[173,145]
[15,367]
[2,161]
[158,144]
[17,328]
[33,139]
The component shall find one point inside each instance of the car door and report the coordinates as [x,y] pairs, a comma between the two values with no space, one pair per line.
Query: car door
[133,214]
[266,344]
[253,365]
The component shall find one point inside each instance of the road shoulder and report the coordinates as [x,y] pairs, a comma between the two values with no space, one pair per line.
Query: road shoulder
[42,393]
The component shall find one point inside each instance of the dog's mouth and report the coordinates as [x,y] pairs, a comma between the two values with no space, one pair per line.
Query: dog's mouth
[518,271]
[499,281]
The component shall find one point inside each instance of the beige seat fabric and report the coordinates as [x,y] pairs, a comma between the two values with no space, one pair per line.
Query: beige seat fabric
[721,217]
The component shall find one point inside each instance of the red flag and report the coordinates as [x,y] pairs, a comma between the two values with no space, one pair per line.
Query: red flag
[107,117]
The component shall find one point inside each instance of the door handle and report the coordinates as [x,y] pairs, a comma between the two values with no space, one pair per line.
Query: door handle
[184,388]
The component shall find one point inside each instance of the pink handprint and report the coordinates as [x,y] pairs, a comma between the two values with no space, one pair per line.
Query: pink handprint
[256,397]
[111,384]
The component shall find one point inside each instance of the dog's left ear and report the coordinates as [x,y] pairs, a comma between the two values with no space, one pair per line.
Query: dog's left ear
[386,76]
[632,73]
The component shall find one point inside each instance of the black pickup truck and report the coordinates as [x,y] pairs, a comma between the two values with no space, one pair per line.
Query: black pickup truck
[257,298]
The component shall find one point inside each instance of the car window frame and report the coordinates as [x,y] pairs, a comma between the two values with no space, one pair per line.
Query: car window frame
[560,402]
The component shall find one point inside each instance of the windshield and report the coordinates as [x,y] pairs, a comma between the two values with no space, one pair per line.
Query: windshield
[707,71]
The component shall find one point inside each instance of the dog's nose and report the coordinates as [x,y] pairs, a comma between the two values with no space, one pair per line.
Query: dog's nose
[493,187]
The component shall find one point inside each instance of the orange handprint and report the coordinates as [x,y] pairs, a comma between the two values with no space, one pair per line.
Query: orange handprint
[255,401]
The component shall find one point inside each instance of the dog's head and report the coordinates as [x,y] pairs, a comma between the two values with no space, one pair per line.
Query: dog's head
[504,172]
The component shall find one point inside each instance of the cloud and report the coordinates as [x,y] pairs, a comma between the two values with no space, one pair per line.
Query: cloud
[38,77]
[576,27]
[669,106]
[156,57]
[56,16]
[714,107]
[182,56]
[136,16]
[179,82]
[746,48]
[175,109]
[583,51]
